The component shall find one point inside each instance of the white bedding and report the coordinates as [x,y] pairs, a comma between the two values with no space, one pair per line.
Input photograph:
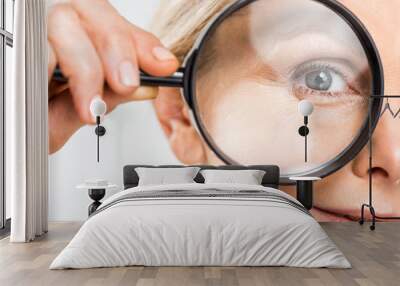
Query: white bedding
[200,231]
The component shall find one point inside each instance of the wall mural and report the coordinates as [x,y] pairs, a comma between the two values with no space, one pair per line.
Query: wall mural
[257,89]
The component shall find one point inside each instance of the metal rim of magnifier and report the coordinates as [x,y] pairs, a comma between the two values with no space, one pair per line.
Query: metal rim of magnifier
[358,143]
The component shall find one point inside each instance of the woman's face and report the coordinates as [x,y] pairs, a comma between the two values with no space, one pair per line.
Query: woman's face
[345,191]
[258,68]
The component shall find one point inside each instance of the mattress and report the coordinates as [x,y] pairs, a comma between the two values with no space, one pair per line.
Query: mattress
[201,225]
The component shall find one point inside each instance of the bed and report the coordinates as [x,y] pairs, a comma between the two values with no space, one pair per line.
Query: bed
[199,224]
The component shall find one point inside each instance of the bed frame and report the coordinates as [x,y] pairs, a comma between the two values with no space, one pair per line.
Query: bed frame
[271,177]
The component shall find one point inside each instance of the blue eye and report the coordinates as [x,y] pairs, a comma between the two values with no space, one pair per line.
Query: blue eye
[319,80]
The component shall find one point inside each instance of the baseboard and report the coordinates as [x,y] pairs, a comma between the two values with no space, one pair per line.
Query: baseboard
[5,231]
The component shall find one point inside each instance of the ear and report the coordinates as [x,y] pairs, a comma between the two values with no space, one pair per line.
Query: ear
[173,115]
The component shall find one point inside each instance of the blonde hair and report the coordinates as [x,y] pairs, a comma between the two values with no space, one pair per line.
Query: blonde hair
[178,22]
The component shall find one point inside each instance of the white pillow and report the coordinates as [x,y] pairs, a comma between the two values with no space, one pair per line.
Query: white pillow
[165,176]
[248,177]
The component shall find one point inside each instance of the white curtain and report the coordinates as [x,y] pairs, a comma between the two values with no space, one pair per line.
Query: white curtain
[26,124]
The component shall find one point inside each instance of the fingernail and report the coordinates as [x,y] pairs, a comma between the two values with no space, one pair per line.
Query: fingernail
[163,54]
[129,74]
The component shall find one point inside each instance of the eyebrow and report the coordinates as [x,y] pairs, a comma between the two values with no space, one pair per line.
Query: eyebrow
[264,71]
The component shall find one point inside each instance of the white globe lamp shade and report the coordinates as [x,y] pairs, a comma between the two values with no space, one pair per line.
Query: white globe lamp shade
[305,107]
[98,107]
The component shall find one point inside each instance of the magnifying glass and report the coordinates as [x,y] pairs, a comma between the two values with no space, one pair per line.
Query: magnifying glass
[256,60]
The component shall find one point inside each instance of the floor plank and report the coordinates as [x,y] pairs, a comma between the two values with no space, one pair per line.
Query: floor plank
[375,257]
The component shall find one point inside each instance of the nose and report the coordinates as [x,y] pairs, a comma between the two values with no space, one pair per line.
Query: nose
[386,150]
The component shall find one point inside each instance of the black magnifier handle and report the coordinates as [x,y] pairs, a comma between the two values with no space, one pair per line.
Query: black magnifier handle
[175,80]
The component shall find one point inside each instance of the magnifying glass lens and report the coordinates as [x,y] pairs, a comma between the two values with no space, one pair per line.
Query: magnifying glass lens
[256,66]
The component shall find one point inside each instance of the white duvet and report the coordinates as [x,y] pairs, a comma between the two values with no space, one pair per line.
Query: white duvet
[200,231]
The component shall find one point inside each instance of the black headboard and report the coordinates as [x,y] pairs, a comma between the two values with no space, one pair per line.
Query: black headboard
[271,177]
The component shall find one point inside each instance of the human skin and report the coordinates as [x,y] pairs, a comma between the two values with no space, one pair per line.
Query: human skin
[347,189]
[335,196]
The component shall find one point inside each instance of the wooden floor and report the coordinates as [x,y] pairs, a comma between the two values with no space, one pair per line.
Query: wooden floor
[375,257]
